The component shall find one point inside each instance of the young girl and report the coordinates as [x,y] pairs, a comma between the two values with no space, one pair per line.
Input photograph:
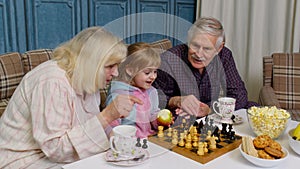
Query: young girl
[137,74]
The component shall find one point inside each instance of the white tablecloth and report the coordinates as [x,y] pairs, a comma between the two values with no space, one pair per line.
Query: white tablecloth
[161,158]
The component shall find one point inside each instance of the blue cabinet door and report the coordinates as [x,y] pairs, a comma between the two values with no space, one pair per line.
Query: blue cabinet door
[168,19]
[50,22]
[5,22]
[185,11]
[34,24]
[113,15]
[153,20]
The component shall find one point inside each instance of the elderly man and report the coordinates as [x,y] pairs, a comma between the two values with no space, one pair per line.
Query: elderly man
[195,74]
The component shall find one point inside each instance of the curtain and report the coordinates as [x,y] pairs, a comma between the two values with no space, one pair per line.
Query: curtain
[253,29]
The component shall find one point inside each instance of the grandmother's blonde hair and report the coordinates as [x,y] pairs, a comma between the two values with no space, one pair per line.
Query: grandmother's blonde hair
[140,56]
[85,56]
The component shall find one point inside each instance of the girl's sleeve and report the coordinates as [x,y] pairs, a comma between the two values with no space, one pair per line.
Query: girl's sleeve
[57,128]
[154,104]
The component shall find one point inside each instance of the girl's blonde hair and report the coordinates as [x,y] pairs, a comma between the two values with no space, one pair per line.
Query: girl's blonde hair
[85,56]
[140,56]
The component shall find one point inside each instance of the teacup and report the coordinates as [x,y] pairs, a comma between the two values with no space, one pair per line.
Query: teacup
[123,140]
[226,108]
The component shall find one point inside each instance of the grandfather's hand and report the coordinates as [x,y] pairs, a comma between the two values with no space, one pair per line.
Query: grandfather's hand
[120,107]
[192,105]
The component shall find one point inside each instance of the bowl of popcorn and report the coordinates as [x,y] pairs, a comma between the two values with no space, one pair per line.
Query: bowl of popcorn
[270,121]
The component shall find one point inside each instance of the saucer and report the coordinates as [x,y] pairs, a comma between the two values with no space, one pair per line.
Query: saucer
[237,120]
[110,155]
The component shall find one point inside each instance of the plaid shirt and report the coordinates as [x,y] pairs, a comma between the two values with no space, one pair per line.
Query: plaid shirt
[177,77]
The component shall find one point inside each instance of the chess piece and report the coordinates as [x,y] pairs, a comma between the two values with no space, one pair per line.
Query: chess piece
[213,142]
[232,135]
[185,133]
[205,147]
[175,140]
[211,122]
[200,126]
[188,143]
[175,137]
[138,142]
[216,131]
[208,135]
[195,131]
[144,146]
[202,137]
[183,122]
[229,127]
[195,141]
[174,133]
[160,131]
[195,137]
[200,148]
[181,140]
[224,130]
[169,132]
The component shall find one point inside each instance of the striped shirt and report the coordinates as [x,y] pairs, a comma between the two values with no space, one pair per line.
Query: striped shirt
[46,124]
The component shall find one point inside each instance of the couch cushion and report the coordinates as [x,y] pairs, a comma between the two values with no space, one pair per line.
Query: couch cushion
[3,104]
[35,57]
[286,79]
[295,114]
[11,73]
[267,70]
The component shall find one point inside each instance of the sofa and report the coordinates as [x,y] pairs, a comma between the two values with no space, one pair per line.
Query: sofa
[281,83]
[14,65]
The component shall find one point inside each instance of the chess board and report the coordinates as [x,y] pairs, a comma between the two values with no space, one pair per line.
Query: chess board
[223,146]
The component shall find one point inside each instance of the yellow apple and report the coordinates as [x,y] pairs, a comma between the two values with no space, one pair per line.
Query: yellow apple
[164,117]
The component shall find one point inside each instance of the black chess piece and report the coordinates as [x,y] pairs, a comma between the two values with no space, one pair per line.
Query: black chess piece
[200,126]
[224,129]
[144,146]
[233,118]
[202,137]
[215,131]
[229,127]
[231,135]
[211,122]
[138,142]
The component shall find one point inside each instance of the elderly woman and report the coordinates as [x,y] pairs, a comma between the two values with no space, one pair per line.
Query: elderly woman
[53,116]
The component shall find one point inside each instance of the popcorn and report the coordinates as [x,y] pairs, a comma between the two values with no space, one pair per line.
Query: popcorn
[268,120]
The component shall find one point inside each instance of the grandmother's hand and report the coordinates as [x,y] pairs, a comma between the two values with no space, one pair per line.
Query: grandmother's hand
[120,107]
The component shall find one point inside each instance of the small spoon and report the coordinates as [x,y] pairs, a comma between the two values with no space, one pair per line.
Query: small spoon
[136,158]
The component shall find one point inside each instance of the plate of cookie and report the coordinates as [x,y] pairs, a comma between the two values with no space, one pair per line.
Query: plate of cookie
[263,151]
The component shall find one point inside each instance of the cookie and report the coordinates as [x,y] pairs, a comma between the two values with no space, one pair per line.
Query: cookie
[262,141]
[274,144]
[264,155]
[274,152]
